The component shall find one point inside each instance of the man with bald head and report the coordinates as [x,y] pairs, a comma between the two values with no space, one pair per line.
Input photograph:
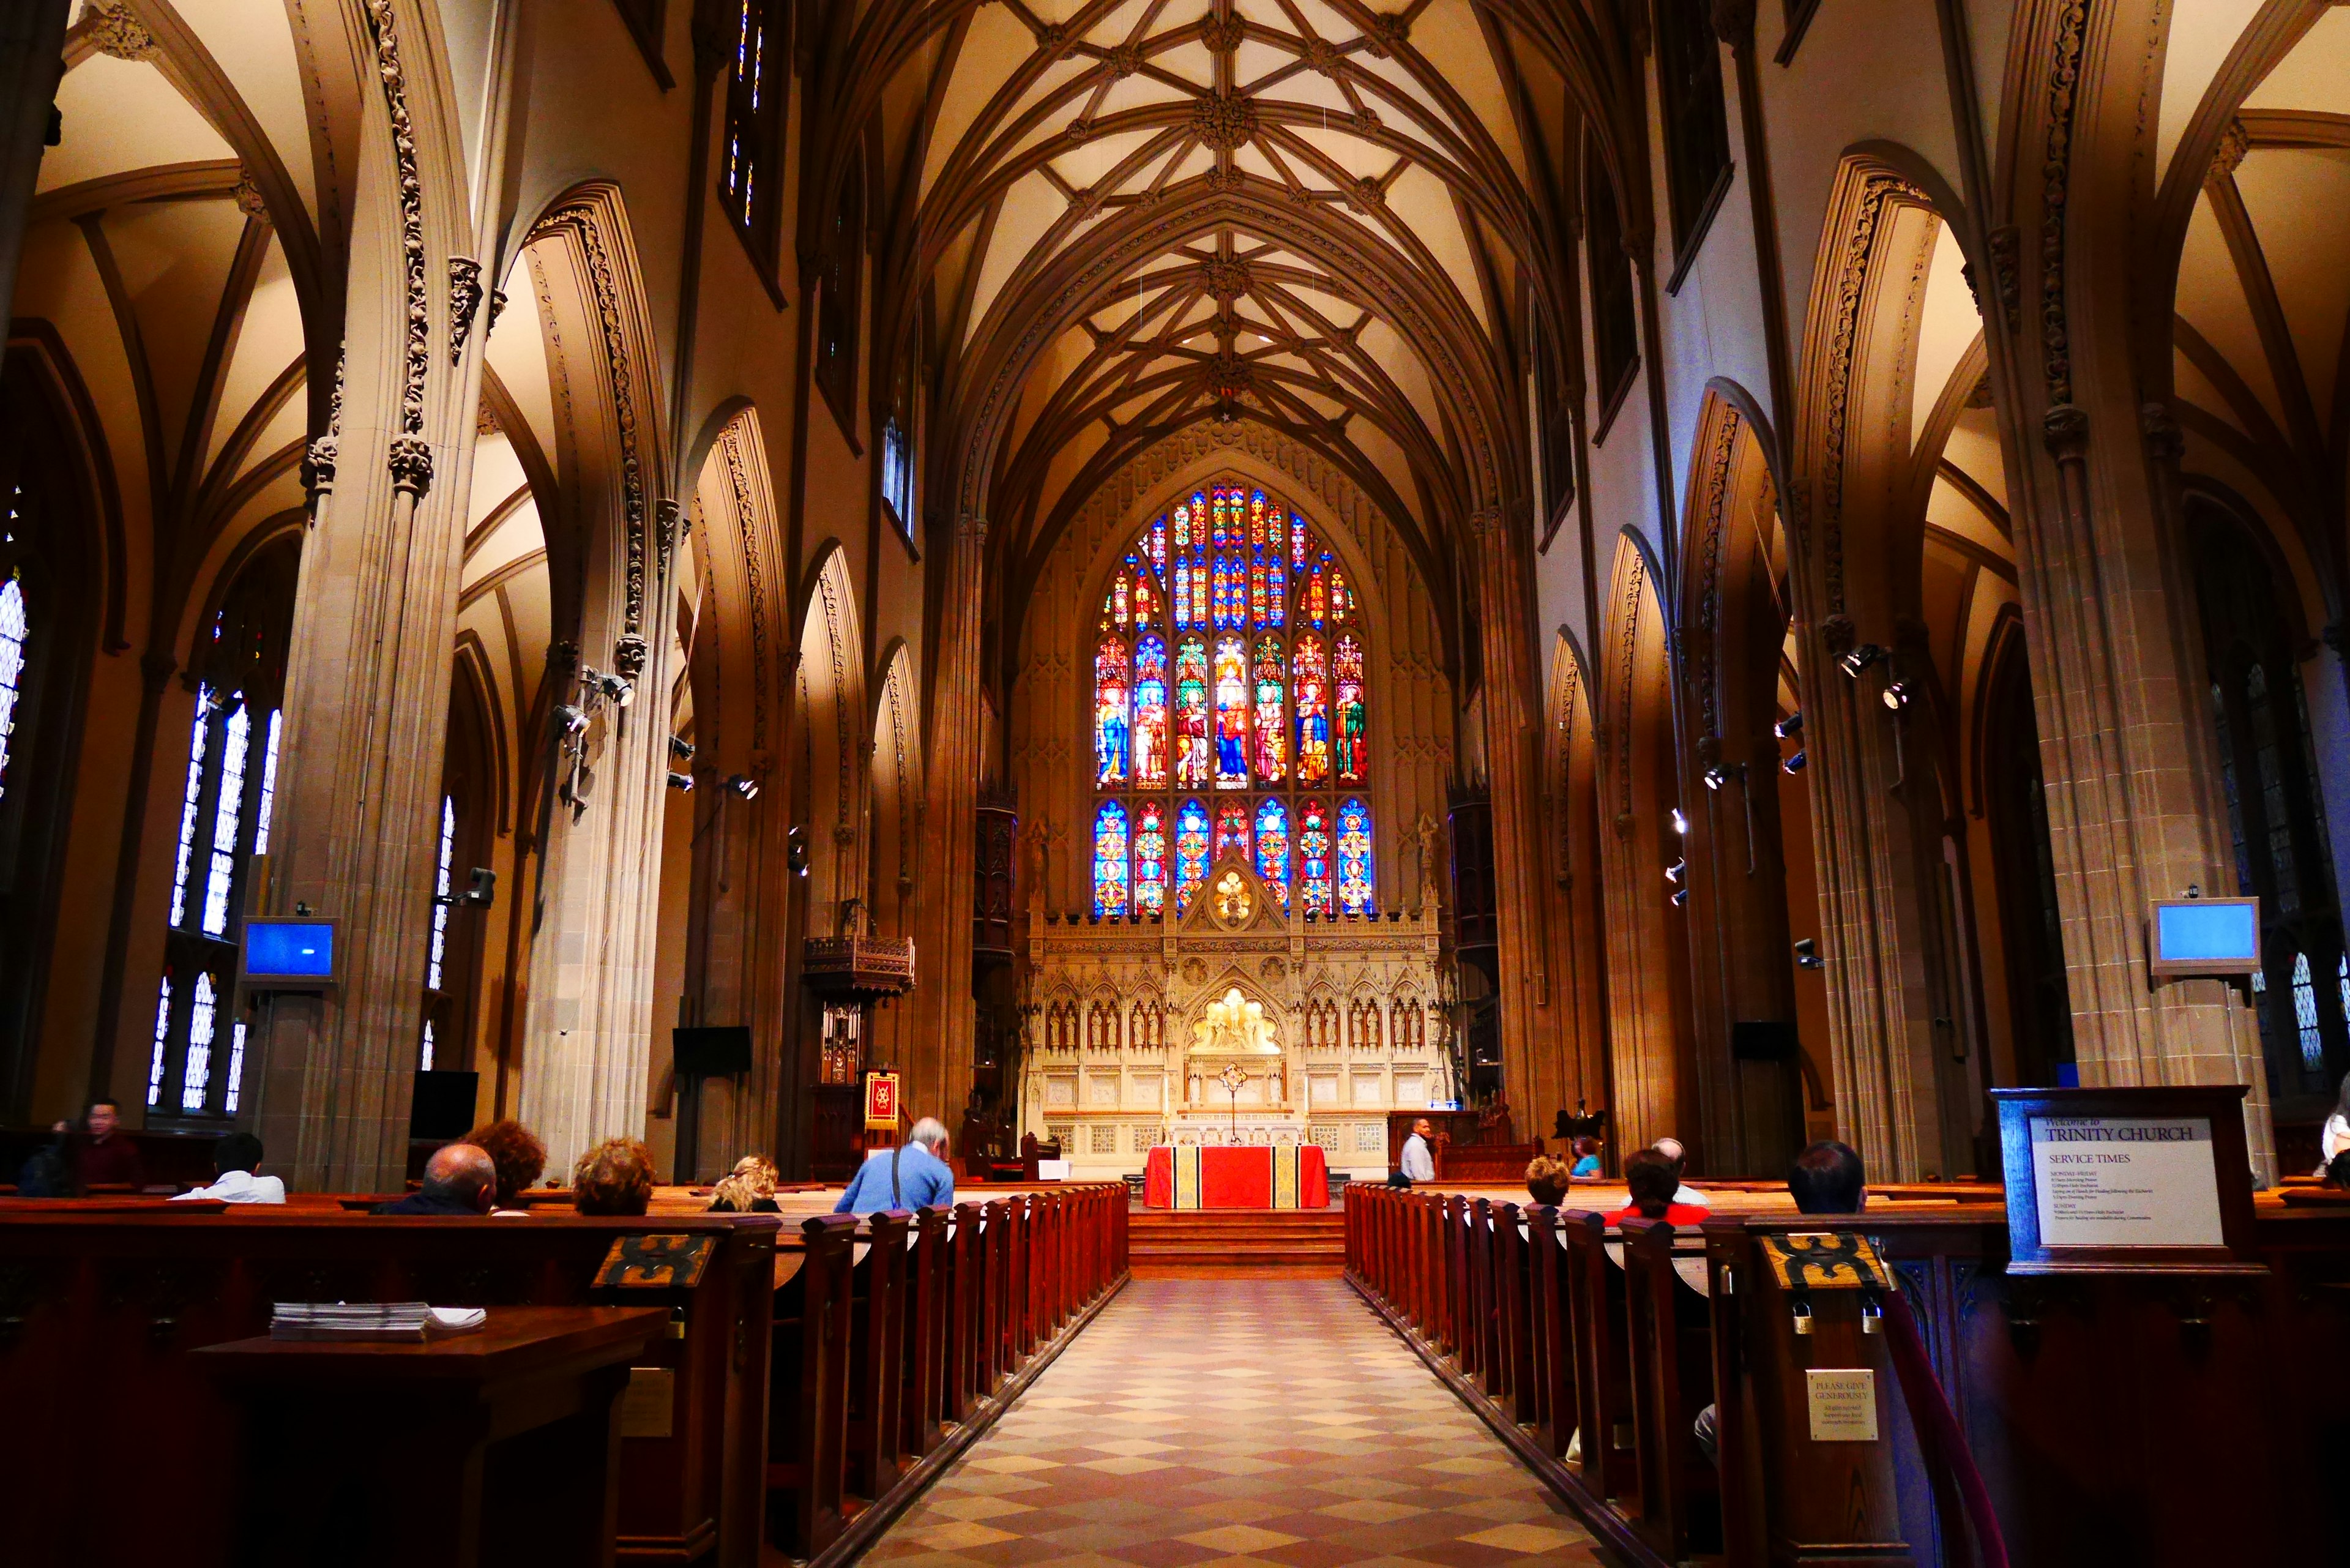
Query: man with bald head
[460,1179]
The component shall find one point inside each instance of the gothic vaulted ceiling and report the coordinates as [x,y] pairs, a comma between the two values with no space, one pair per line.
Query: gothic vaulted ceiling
[1133,215]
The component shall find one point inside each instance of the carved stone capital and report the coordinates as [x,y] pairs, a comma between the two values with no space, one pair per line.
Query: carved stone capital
[465,298]
[2066,431]
[318,465]
[1838,633]
[2164,441]
[628,656]
[114,31]
[411,462]
[2229,156]
[1709,749]
[669,527]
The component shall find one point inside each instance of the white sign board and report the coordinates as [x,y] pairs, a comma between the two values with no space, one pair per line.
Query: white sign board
[1843,1402]
[2125,1182]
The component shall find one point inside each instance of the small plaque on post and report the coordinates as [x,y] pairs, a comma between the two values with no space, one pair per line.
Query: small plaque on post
[1843,1404]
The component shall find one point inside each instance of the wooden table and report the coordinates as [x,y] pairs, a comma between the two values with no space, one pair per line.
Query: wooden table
[493,1446]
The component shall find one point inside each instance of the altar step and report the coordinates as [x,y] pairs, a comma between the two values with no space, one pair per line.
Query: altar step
[1225,1244]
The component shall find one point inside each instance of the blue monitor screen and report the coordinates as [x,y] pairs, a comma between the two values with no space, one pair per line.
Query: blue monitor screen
[290,949]
[2212,931]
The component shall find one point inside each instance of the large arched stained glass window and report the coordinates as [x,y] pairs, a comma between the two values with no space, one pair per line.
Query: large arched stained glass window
[1229,678]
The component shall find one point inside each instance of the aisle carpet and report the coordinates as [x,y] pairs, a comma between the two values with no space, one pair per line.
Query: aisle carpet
[1236,1422]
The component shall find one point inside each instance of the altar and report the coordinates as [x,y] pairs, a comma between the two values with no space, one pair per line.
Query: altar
[1207,1176]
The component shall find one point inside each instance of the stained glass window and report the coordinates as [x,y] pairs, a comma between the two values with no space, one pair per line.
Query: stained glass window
[2304,1015]
[227,818]
[203,1017]
[1271,713]
[1354,857]
[1109,859]
[1150,857]
[14,631]
[1150,737]
[1110,748]
[1314,858]
[1272,848]
[1190,852]
[1351,743]
[162,1042]
[1230,657]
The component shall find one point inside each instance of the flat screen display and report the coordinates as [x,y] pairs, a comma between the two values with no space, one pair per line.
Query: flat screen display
[2209,932]
[289,951]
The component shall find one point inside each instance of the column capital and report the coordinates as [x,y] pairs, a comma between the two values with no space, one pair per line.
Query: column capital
[465,298]
[318,465]
[2164,441]
[409,459]
[2065,429]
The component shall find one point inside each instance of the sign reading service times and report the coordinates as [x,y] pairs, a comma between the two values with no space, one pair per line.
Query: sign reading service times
[2125,1182]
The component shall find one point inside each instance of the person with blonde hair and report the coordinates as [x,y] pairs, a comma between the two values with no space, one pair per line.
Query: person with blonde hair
[748,1189]
[616,1176]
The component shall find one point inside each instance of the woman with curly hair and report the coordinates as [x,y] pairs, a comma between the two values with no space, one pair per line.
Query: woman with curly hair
[749,1188]
[616,1176]
[517,1155]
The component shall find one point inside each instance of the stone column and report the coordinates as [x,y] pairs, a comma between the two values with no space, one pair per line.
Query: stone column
[32,46]
[938,1066]
[375,617]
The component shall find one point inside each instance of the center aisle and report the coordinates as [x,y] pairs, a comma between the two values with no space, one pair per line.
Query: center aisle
[1229,1422]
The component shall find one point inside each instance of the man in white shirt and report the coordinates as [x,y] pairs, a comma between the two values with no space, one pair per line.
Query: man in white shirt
[1418,1162]
[233,1157]
[1670,1147]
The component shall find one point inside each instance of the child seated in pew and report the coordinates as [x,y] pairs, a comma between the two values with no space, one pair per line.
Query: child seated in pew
[1654,1181]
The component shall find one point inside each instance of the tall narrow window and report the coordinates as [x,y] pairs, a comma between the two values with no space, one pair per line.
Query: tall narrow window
[163,1041]
[897,475]
[15,631]
[1614,330]
[758,73]
[2304,1015]
[840,289]
[437,953]
[1230,656]
[1697,132]
[228,820]
[1109,859]
[1354,857]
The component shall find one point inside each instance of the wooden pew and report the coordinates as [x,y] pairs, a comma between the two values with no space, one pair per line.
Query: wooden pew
[1671,1357]
[100,1312]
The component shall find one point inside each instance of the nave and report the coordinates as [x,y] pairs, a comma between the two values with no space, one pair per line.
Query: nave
[1232,1422]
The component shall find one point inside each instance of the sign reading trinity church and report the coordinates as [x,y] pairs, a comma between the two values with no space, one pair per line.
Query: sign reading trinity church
[2125,1182]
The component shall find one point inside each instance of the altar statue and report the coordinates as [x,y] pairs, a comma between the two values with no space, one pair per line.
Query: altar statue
[1233,1027]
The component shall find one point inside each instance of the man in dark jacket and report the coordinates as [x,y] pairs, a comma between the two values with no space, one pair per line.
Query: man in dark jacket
[458,1180]
[110,1158]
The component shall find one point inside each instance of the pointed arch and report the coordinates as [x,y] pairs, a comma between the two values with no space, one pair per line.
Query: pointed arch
[834,729]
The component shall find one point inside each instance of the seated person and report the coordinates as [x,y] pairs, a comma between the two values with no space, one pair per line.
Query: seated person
[2337,1172]
[234,1159]
[518,1157]
[748,1189]
[616,1176]
[1827,1179]
[459,1179]
[1670,1147]
[1650,1176]
[1587,1157]
[110,1158]
[1547,1179]
[914,1174]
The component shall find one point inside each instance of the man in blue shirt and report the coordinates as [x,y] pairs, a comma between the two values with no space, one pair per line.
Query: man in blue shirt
[914,1176]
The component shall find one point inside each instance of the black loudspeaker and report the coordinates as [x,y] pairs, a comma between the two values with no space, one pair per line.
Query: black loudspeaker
[719,1052]
[1761,1041]
[441,1105]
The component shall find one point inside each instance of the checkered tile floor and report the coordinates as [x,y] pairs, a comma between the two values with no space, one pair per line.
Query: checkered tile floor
[1236,1422]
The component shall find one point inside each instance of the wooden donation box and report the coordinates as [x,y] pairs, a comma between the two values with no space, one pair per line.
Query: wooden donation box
[501,1445]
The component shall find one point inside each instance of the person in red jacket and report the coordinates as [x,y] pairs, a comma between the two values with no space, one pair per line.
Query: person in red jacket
[109,1157]
[1652,1179]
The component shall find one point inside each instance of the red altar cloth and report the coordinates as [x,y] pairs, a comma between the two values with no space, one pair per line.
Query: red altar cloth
[1242,1178]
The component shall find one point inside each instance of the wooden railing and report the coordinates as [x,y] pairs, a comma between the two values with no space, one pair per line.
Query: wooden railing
[810,1383]
[2160,1420]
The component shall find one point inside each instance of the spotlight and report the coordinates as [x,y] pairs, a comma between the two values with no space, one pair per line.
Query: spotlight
[1681,898]
[681,783]
[1896,695]
[1714,777]
[1788,727]
[796,854]
[1718,775]
[1807,954]
[1860,659]
[1674,872]
[572,718]
[617,690]
[1681,823]
[681,748]
[745,786]
[1795,763]
[481,890]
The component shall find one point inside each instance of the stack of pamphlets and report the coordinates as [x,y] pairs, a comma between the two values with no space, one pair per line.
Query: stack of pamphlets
[408,1321]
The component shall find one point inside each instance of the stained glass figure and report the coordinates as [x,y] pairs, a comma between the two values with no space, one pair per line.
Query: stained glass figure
[1190,852]
[1232,714]
[14,631]
[1342,599]
[1312,673]
[1194,759]
[1316,608]
[1314,858]
[1273,847]
[1233,829]
[1271,713]
[1109,859]
[1112,763]
[1183,595]
[1149,858]
[1353,857]
[1149,733]
[1157,546]
[1353,743]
